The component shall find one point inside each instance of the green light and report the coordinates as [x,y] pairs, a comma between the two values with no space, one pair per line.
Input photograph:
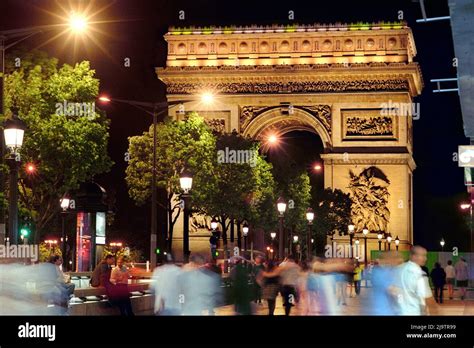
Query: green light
[24,232]
[157,251]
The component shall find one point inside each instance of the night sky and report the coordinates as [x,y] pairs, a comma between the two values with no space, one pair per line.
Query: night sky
[134,29]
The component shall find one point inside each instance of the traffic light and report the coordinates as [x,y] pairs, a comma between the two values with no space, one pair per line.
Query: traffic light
[157,251]
[25,232]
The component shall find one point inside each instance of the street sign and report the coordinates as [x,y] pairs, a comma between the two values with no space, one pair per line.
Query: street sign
[466,155]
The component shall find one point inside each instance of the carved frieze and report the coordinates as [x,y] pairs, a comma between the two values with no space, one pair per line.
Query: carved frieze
[252,87]
[368,124]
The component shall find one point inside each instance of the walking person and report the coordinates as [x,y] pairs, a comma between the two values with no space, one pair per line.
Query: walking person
[166,288]
[269,282]
[450,278]
[415,296]
[256,269]
[462,276]
[289,273]
[357,277]
[438,278]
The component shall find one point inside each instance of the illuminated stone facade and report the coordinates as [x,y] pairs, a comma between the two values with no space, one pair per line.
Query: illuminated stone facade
[333,80]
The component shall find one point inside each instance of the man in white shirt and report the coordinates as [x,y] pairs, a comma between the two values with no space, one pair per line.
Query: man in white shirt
[166,288]
[415,297]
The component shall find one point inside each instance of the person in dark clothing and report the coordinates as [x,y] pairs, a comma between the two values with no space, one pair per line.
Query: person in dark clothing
[438,277]
[241,289]
[270,285]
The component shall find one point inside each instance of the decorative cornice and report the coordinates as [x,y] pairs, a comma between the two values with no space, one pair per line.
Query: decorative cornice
[275,28]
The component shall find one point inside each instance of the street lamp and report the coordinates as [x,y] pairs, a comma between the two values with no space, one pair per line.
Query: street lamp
[365,232]
[214,224]
[186,182]
[397,242]
[389,240]
[64,203]
[245,231]
[281,206]
[310,218]
[442,243]
[13,132]
[379,237]
[357,242]
[351,231]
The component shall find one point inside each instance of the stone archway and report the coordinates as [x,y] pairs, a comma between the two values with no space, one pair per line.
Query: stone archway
[350,86]
[314,119]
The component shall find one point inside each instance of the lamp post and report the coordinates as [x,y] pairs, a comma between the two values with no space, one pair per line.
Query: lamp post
[281,206]
[310,218]
[13,132]
[397,242]
[245,231]
[19,35]
[357,243]
[273,236]
[186,182]
[64,203]
[295,245]
[365,232]
[389,240]
[442,243]
[351,230]
[379,237]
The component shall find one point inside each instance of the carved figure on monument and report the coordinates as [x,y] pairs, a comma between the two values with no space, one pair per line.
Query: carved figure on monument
[369,193]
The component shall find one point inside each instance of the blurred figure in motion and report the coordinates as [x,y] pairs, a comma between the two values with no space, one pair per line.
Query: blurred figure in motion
[344,277]
[117,288]
[462,276]
[289,273]
[415,297]
[438,278]
[30,290]
[269,281]
[450,278]
[199,288]
[328,273]
[166,288]
[256,269]
[242,291]
[385,287]
[63,282]
[302,289]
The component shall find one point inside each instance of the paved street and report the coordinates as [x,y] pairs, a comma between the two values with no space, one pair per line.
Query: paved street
[357,306]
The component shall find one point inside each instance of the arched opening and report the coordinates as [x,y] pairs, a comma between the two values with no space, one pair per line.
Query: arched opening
[298,150]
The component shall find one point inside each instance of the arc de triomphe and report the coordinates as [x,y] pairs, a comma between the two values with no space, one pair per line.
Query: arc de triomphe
[352,85]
